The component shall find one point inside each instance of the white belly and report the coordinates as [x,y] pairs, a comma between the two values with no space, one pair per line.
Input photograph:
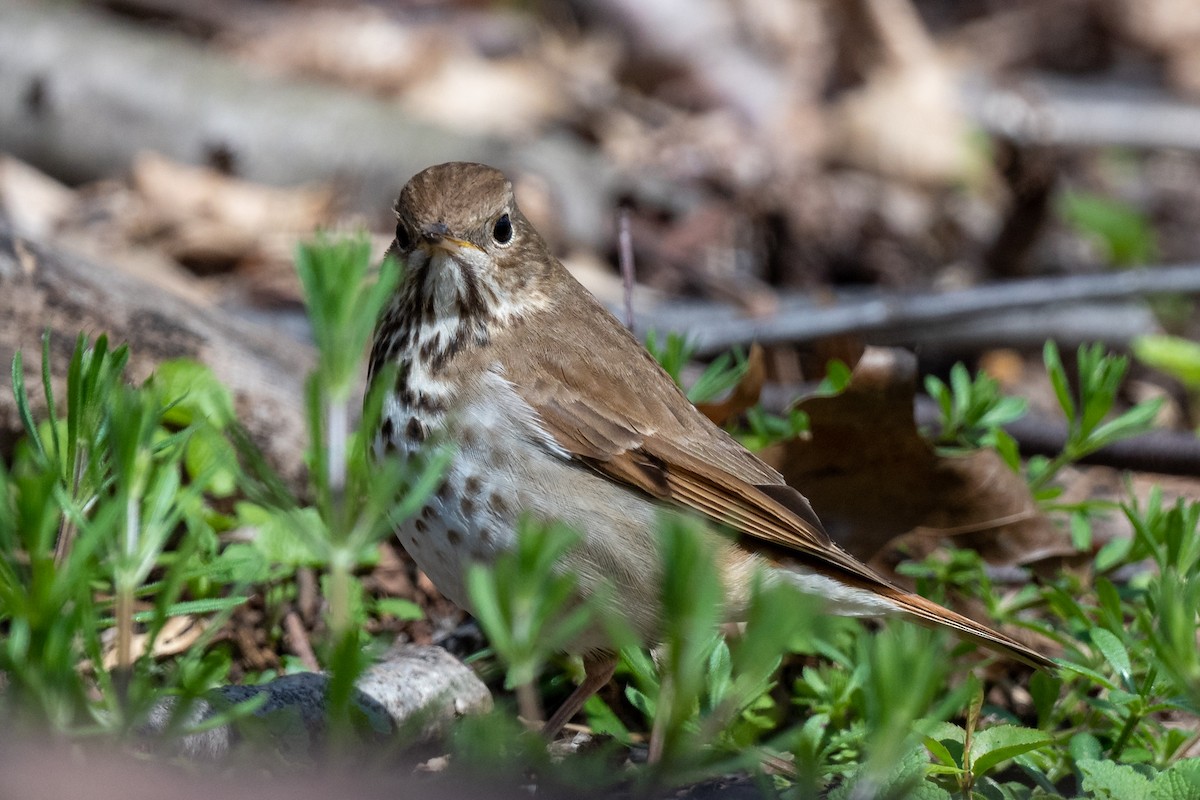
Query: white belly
[474,514]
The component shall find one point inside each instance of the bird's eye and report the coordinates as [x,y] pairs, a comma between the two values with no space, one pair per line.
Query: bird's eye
[502,233]
[403,240]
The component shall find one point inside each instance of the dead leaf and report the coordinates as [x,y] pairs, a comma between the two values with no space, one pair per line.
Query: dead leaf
[32,200]
[510,97]
[359,46]
[179,192]
[211,222]
[177,635]
[872,477]
[907,119]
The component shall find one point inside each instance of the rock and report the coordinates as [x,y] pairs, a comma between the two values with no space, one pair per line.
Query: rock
[424,689]
[417,691]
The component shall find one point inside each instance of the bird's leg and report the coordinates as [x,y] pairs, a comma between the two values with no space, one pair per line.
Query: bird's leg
[597,671]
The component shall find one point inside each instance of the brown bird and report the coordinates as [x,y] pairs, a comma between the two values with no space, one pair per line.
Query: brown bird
[555,409]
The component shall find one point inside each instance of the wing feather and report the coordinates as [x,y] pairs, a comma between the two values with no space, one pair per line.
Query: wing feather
[625,418]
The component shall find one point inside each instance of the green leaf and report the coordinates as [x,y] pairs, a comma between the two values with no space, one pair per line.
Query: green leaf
[1081,531]
[278,535]
[399,608]
[22,401]
[1180,781]
[211,457]
[837,377]
[904,778]
[719,377]
[1114,652]
[1000,743]
[1133,422]
[944,740]
[1084,746]
[242,563]
[1086,672]
[1058,379]
[1172,355]
[208,605]
[1106,780]
[1122,230]
[1044,689]
[192,393]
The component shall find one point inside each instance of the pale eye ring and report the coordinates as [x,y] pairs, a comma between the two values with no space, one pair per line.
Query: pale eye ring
[503,230]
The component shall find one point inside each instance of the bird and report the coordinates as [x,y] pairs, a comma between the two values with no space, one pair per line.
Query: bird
[554,409]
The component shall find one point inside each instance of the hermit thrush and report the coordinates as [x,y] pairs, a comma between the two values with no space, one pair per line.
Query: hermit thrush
[555,410]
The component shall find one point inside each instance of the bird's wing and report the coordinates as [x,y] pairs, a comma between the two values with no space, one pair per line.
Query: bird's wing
[623,416]
[611,406]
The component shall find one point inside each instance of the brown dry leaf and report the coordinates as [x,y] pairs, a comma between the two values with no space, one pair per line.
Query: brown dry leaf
[206,219]
[177,635]
[907,119]
[744,395]
[32,200]
[179,191]
[1168,28]
[872,477]
[359,46]
[508,97]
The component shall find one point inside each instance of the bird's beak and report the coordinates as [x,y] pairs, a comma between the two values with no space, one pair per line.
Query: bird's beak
[436,236]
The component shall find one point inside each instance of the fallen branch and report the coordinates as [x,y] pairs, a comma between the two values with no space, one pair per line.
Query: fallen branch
[44,289]
[895,318]
[1058,112]
[90,92]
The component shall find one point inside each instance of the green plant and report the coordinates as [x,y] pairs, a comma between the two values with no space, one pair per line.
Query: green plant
[1099,376]
[528,607]
[973,412]
[358,499]
[113,505]
[760,428]
[94,519]
[1173,355]
[1124,233]
[1177,357]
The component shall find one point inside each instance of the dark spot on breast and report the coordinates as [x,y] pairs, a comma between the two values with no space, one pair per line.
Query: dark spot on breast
[401,386]
[498,504]
[428,513]
[472,485]
[415,431]
[421,526]
[431,346]
[454,537]
[429,404]
[472,305]
[467,440]
[388,430]
[467,504]
[443,490]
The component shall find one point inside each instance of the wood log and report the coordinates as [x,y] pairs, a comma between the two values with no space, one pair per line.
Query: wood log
[82,93]
[43,288]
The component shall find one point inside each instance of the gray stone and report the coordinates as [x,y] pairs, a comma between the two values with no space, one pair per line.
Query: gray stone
[415,690]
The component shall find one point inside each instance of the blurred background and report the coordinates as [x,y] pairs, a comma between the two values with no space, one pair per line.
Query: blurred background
[756,147]
[897,185]
[966,179]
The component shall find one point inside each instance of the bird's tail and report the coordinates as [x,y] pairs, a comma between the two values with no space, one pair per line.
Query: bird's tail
[931,614]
